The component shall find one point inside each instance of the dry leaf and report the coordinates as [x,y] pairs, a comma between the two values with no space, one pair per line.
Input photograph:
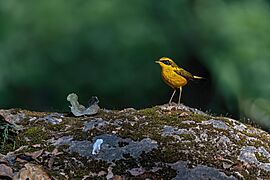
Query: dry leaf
[50,162]
[3,159]
[183,114]
[32,172]
[110,173]
[136,171]
[5,171]
[117,178]
[55,152]
[21,148]
[226,165]
[21,160]
[35,154]
[36,145]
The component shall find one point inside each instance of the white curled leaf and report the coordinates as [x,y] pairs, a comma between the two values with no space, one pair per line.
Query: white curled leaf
[97,146]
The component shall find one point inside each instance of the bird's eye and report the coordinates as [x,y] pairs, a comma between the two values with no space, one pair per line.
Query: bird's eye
[166,62]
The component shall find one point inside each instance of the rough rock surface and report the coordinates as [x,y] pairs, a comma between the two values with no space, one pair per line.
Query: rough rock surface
[163,142]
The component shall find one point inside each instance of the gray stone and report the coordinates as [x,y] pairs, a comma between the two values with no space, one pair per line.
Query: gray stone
[216,124]
[199,172]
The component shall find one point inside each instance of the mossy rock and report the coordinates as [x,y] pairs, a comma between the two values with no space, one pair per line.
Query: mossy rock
[162,142]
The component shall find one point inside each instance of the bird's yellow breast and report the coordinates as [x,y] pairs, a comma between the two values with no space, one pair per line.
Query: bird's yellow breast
[172,78]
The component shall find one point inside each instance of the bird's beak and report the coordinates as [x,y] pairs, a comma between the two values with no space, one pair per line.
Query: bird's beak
[157,62]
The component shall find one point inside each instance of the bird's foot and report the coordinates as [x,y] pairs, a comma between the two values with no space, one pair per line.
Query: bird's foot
[172,104]
[180,104]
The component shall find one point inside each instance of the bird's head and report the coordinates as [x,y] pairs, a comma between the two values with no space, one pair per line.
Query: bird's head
[166,62]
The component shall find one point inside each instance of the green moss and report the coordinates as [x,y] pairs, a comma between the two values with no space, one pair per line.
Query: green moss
[77,166]
[35,134]
[170,154]
[79,135]
[172,118]
[148,122]
[187,125]
[55,127]
[135,136]
[226,120]
[241,142]
[148,111]
[196,117]
[63,148]
[33,131]
[187,137]
[167,173]
[264,174]
[257,143]
[147,160]
[261,158]
[8,147]
[121,166]
[249,134]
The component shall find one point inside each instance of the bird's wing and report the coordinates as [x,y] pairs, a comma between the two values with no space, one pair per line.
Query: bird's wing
[184,73]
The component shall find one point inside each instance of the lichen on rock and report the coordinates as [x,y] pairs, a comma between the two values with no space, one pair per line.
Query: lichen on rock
[162,142]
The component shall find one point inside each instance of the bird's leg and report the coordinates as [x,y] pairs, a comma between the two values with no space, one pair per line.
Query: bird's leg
[180,93]
[172,96]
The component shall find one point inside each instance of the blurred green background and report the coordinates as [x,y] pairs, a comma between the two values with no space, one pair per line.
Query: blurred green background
[51,48]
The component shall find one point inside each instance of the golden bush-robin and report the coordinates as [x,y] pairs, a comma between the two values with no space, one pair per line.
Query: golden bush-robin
[175,76]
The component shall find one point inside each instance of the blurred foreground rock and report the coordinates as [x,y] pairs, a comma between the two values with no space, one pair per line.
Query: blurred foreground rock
[163,142]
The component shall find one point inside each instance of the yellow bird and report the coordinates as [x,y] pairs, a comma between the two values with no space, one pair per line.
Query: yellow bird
[174,76]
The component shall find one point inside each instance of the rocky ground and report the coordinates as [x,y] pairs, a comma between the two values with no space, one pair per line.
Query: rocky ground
[162,142]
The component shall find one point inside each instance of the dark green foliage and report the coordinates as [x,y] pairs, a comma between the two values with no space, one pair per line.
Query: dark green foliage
[7,133]
[49,49]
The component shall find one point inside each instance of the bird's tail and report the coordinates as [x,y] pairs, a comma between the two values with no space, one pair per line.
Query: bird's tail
[198,77]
